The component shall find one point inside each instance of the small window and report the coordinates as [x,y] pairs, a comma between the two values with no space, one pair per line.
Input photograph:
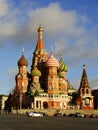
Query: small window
[82,91]
[87,91]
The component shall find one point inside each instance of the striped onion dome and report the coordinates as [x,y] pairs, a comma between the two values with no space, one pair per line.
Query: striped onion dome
[63,66]
[35,72]
[52,61]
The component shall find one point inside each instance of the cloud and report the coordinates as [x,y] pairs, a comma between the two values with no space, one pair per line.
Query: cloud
[94,83]
[61,21]
[21,26]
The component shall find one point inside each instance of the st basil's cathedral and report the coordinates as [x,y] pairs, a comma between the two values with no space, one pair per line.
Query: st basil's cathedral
[46,85]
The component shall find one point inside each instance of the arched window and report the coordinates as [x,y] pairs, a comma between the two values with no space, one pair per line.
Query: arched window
[87,91]
[82,91]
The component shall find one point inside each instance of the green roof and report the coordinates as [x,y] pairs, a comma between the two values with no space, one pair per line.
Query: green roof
[63,66]
[36,72]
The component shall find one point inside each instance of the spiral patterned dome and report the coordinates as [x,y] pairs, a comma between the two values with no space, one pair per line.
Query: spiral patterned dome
[63,66]
[52,61]
[22,61]
[35,72]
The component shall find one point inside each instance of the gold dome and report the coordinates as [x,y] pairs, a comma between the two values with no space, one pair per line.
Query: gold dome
[40,29]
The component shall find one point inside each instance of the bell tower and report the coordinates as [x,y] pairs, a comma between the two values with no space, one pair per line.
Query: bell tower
[85,92]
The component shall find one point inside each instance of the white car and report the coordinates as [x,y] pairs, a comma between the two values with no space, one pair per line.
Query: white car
[35,114]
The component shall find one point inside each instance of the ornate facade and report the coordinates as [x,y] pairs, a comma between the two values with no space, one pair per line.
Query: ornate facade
[47,78]
[46,84]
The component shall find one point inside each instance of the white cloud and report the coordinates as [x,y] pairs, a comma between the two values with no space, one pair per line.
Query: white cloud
[56,20]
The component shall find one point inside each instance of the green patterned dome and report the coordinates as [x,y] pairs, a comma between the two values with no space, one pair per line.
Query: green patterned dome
[63,66]
[35,72]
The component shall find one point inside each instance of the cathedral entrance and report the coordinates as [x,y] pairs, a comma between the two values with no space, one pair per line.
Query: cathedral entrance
[45,105]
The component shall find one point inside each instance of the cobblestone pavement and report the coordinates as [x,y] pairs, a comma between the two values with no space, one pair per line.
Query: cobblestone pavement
[23,122]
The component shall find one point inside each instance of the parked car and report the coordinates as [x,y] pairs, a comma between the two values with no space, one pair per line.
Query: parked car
[58,114]
[71,115]
[87,116]
[44,113]
[35,114]
[92,116]
[79,115]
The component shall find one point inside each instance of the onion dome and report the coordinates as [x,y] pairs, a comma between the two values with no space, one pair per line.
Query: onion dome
[35,72]
[22,61]
[52,61]
[63,66]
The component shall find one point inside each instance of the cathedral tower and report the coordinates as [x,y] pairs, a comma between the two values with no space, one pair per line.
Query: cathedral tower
[35,84]
[21,77]
[52,81]
[40,57]
[63,83]
[85,92]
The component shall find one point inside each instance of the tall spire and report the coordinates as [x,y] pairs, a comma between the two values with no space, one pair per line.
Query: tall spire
[84,74]
[40,43]
[40,54]
[84,79]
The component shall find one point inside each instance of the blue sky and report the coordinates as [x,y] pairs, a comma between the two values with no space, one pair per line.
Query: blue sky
[70,28]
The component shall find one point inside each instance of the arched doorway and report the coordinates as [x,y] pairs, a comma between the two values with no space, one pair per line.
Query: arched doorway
[45,105]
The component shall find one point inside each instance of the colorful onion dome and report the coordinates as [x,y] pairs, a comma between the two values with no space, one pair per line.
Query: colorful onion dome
[52,61]
[63,66]
[35,72]
[22,61]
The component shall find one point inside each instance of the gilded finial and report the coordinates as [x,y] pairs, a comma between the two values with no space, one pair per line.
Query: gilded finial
[40,28]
